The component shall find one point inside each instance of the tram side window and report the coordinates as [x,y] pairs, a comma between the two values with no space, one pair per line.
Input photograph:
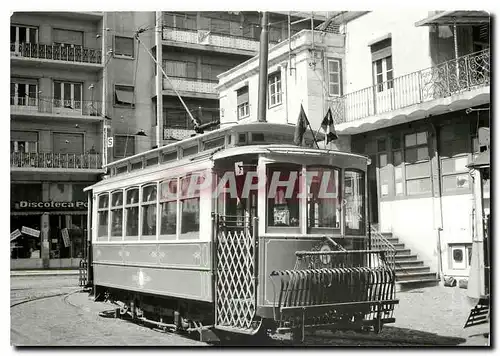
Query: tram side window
[132,214]
[190,206]
[354,195]
[322,207]
[102,217]
[168,210]
[116,216]
[148,207]
[283,202]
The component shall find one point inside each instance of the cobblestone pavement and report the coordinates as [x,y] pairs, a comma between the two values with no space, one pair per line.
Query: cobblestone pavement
[425,317]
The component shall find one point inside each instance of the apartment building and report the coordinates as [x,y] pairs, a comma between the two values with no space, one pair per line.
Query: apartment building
[56,133]
[195,48]
[417,88]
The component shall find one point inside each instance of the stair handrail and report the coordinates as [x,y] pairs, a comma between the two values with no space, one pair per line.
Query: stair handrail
[380,242]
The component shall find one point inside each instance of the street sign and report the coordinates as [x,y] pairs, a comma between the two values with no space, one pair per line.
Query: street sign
[110,141]
[29,231]
[15,234]
[65,236]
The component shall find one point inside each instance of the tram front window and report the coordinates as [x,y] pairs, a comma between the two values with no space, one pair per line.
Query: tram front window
[354,200]
[323,210]
[283,201]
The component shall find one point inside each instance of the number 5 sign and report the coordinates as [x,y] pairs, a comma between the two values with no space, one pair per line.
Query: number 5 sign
[110,141]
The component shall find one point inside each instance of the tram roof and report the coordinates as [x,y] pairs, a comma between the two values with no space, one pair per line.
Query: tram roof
[231,140]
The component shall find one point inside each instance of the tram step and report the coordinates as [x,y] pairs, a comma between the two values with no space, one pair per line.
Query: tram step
[412,269]
[402,276]
[403,252]
[410,257]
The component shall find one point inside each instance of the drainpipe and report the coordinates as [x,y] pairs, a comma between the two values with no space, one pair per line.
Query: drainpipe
[455,43]
[263,56]
[159,80]
[437,211]
[104,92]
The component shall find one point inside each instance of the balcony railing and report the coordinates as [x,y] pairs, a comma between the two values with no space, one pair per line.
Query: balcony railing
[76,54]
[191,84]
[210,38]
[55,160]
[446,79]
[42,105]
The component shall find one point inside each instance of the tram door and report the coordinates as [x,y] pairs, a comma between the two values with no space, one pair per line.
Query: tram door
[235,287]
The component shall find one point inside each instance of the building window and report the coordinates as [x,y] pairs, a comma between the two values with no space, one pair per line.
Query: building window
[102,217]
[189,201]
[67,37]
[334,84]
[382,64]
[23,92]
[460,256]
[180,69]
[124,96]
[132,214]
[148,209]
[124,145]
[417,164]
[168,210]
[274,83]
[116,216]
[68,95]
[124,47]
[454,156]
[22,34]
[242,102]
[23,142]
[211,71]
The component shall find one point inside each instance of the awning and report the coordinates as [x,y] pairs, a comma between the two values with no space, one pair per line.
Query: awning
[455,17]
[125,96]
[482,160]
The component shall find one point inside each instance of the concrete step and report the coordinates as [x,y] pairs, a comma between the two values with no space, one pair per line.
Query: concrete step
[402,286]
[412,269]
[393,240]
[410,263]
[403,252]
[409,257]
[398,245]
[403,276]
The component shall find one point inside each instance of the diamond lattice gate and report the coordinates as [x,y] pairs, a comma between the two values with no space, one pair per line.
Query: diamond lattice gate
[235,288]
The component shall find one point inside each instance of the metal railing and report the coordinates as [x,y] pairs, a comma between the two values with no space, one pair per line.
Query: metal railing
[380,242]
[441,81]
[55,160]
[43,105]
[77,54]
[197,85]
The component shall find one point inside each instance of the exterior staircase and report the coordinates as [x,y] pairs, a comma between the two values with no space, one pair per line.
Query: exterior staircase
[410,271]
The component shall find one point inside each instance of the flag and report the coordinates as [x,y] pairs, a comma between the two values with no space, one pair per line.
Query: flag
[301,127]
[328,126]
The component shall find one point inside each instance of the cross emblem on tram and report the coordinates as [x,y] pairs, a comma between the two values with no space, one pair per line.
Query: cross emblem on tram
[141,278]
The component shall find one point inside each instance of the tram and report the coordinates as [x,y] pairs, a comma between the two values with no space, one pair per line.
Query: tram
[478,288]
[235,231]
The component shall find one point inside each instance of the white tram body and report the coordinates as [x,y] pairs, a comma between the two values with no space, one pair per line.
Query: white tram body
[181,236]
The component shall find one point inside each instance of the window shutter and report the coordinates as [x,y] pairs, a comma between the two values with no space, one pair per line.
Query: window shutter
[242,96]
[381,49]
[68,37]
[124,46]
[68,143]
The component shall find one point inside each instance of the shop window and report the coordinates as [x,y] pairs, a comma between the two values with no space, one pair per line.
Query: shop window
[283,199]
[116,216]
[189,200]
[354,196]
[102,217]
[274,83]
[417,164]
[168,210]
[124,47]
[148,208]
[132,214]
[460,256]
[322,198]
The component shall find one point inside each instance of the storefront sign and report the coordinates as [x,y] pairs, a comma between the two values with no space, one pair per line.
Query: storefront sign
[15,234]
[29,231]
[50,205]
[65,236]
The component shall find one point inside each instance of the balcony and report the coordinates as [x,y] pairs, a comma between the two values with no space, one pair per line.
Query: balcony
[49,107]
[64,161]
[207,40]
[191,87]
[177,134]
[56,54]
[446,80]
